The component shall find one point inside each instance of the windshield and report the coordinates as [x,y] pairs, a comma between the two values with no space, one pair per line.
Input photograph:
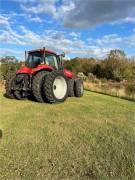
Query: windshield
[34,59]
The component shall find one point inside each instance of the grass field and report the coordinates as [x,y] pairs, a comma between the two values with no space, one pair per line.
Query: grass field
[84,138]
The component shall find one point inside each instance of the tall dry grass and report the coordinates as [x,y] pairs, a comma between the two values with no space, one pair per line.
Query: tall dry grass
[110,88]
[2,85]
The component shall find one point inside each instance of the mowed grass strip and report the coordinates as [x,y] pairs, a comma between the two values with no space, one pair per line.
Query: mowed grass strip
[84,138]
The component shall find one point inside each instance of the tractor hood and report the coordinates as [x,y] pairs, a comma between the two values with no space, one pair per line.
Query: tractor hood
[27,70]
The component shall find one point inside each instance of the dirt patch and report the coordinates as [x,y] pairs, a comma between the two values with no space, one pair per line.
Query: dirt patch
[88,173]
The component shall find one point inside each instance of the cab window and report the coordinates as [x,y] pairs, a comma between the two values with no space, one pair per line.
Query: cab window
[51,60]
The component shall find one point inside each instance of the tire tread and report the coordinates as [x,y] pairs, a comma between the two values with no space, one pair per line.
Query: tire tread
[37,86]
[78,92]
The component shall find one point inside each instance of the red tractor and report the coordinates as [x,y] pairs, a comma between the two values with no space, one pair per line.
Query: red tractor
[43,77]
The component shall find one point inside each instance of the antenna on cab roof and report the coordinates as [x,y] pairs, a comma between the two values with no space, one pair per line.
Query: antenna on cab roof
[44,54]
[25,55]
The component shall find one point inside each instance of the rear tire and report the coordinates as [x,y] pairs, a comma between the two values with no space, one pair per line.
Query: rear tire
[71,83]
[55,87]
[79,88]
[19,95]
[8,86]
[37,86]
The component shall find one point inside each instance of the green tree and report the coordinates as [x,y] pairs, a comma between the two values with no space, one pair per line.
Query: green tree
[116,54]
[97,70]
[6,68]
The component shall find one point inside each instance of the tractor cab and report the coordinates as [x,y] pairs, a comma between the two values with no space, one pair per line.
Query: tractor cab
[43,57]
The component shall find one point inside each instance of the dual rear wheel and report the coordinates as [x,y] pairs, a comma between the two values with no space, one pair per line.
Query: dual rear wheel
[54,87]
[50,87]
[10,91]
[75,87]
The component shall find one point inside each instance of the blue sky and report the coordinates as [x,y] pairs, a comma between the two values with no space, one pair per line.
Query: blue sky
[89,28]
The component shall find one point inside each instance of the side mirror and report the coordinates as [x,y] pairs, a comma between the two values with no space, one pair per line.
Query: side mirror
[63,54]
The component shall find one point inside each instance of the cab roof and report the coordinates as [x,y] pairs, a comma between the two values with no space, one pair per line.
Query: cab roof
[42,50]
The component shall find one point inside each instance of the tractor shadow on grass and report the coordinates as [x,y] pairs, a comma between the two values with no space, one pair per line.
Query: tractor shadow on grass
[29,98]
[103,93]
[4,95]
[1,134]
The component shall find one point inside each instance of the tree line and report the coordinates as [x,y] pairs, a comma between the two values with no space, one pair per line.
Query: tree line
[115,67]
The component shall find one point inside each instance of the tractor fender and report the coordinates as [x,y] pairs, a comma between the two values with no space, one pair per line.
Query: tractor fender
[68,74]
[24,70]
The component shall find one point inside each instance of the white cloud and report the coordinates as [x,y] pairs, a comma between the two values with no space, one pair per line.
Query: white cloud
[23,1]
[40,6]
[9,36]
[115,41]
[75,35]
[91,13]
[11,52]
[59,41]
[35,19]
[110,39]
[65,8]
[56,40]
[4,20]
[129,19]
[83,14]
[130,41]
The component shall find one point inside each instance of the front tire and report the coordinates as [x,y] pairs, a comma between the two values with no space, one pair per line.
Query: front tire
[55,87]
